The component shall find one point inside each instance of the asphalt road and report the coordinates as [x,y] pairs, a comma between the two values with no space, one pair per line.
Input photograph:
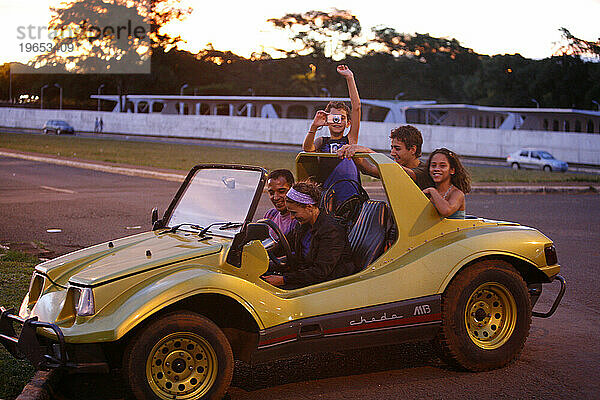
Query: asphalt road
[560,359]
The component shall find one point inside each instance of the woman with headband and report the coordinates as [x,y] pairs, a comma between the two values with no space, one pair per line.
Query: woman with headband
[320,245]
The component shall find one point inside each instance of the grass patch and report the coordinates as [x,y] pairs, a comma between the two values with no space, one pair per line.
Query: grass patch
[160,155]
[497,174]
[15,273]
[185,156]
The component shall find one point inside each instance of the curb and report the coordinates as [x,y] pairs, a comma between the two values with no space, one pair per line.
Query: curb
[41,386]
[131,171]
[534,189]
[179,177]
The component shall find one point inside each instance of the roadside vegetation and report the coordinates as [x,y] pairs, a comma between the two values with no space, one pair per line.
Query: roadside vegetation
[15,273]
[184,156]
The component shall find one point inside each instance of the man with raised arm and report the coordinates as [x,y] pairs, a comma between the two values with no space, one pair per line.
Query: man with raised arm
[406,142]
[337,117]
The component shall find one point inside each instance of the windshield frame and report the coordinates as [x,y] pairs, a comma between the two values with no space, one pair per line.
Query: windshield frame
[182,189]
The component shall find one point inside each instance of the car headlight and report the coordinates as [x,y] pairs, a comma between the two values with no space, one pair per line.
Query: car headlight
[35,289]
[84,301]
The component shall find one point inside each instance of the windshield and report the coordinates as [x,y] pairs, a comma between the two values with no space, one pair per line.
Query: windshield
[216,196]
[546,155]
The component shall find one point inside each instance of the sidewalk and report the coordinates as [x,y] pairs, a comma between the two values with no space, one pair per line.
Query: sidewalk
[179,176]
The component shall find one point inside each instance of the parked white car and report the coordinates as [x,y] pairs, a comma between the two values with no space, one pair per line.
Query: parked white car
[535,159]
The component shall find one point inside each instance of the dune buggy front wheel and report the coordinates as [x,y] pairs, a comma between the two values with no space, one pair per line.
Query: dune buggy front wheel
[486,315]
[180,356]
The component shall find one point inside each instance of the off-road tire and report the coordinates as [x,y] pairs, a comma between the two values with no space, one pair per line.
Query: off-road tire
[182,355]
[486,315]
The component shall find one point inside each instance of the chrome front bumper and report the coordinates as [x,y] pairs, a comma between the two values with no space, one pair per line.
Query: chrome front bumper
[563,286]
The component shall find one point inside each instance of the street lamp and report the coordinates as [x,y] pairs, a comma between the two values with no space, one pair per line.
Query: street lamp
[42,96]
[597,104]
[181,94]
[60,97]
[99,91]
[10,83]
[537,105]
[397,96]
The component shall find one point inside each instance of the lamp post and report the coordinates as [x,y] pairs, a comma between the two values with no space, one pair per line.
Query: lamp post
[99,91]
[10,83]
[60,96]
[597,104]
[537,105]
[181,94]
[42,96]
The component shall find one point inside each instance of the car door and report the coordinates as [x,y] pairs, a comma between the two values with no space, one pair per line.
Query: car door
[523,158]
[536,161]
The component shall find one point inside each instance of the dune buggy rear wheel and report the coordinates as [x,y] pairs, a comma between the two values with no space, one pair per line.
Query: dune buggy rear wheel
[180,356]
[486,315]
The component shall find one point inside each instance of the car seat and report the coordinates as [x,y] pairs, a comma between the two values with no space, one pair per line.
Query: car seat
[372,234]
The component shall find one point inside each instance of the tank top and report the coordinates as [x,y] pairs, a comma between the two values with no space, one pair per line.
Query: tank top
[332,145]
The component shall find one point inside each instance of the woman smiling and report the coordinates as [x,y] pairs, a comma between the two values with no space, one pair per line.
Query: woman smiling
[320,245]
[452,182]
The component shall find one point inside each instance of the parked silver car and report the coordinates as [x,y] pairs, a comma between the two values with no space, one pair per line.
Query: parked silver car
[58,126]
[535,159]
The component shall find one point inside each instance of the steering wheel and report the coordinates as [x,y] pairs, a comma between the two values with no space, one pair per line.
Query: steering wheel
[281,239]
[349,209]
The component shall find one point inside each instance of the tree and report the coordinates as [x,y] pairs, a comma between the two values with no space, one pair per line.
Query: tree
[578,47]
[321,34]
[417,45]
[109,36]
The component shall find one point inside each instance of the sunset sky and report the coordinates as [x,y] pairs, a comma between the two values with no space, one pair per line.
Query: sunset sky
[527,27]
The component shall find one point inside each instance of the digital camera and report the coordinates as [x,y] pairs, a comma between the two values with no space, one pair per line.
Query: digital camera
[334,118]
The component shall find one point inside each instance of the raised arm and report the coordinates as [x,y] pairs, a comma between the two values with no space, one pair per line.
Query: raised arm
[355,100]
[310,143]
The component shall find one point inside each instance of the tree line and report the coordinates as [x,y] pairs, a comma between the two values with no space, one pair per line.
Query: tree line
[388,65]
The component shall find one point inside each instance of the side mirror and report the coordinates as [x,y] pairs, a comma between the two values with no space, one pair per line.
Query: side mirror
[156,223]
[256,232]
[252,231]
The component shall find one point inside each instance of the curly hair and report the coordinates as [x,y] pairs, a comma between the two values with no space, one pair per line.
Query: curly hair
[410,136]
[340,105]
[308,187]
[461,177]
